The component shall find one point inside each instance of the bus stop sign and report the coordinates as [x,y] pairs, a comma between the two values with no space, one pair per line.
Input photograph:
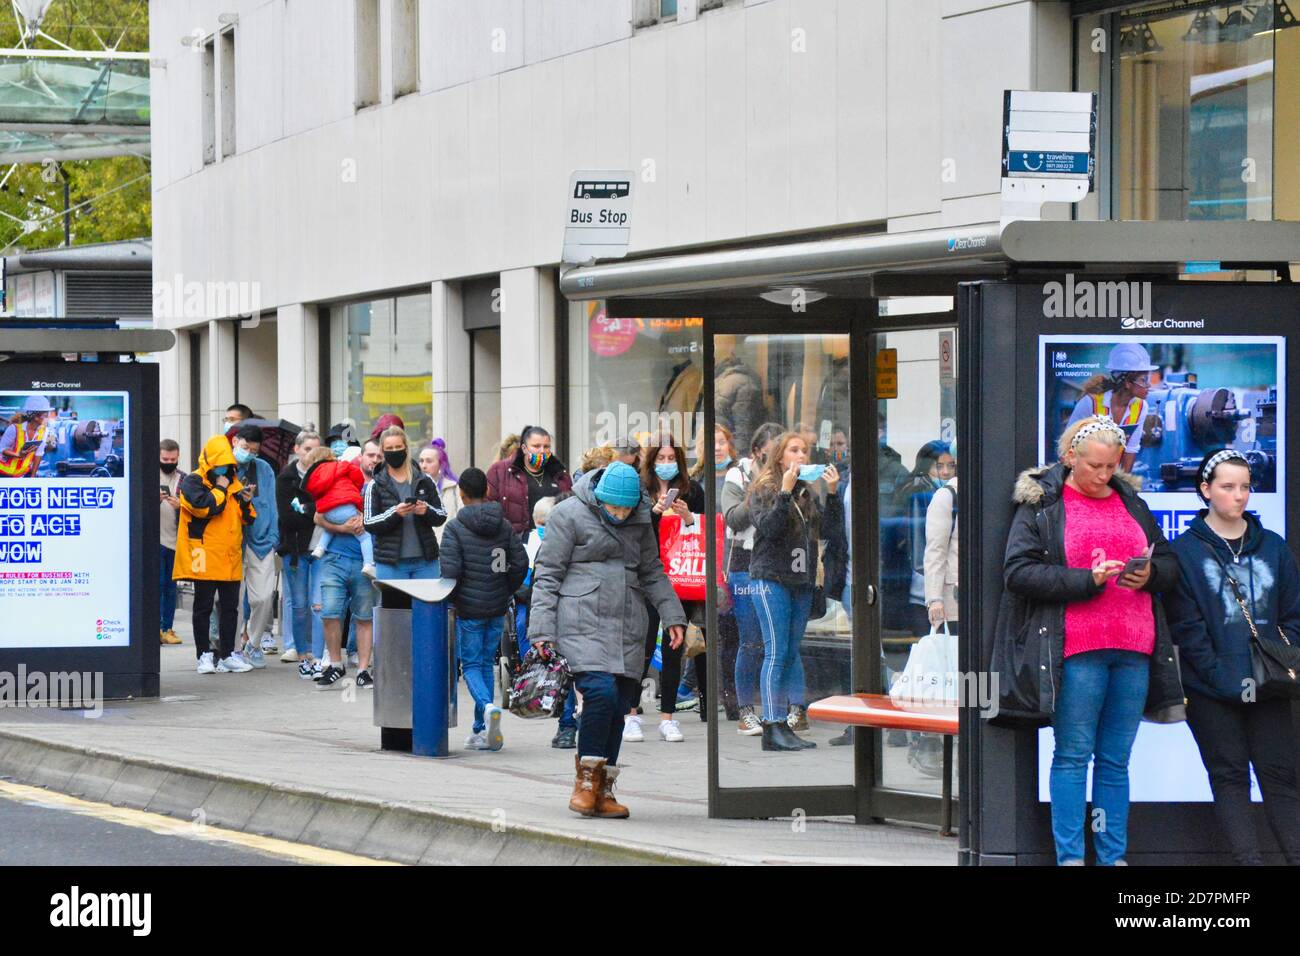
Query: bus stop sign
[599,220]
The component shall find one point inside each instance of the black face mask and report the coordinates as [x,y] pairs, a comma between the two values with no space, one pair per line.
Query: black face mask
[167,466]
[395,459]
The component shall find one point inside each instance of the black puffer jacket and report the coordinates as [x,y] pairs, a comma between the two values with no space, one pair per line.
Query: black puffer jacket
[483,554]
[1028,655]
[385,524]
[295,529]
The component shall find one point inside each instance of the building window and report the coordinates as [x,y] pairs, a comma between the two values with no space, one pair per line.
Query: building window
[406,47]
[387,345]
[1204,98]
[208,106]
[366,52]
[649,12]
[228,92]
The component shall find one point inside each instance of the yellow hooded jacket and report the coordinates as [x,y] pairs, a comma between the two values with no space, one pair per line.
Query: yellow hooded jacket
[210,531]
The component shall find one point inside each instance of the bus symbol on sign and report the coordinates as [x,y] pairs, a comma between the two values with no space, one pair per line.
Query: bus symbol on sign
[598,190]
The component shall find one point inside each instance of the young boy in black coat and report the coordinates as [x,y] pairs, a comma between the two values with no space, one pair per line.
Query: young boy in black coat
[483,554]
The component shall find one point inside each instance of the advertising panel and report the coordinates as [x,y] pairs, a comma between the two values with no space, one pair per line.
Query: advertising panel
[65,511]
[1178,398]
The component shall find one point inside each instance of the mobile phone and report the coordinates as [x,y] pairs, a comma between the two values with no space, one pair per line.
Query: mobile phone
[164,489]
[670,498]
[1136,564]
[410,501]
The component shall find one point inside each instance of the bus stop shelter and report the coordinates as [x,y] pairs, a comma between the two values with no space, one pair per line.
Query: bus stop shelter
[1034,306]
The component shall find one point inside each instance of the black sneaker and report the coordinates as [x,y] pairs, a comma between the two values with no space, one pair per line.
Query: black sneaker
[330,678]
[364,679]
[566,738]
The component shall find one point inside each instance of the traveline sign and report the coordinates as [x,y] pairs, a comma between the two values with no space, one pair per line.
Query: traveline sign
[1049,135]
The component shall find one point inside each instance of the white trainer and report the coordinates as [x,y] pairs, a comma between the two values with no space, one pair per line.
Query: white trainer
[671,731]
[290,656]
[206,664]
[477,741]
[268,644]
[632,729]
[492,716]
[234,664]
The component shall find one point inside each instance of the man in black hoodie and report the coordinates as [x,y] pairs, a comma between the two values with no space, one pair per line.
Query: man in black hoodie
[482,553]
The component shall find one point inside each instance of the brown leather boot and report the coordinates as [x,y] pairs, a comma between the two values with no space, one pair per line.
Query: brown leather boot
[586,789]
[606,805]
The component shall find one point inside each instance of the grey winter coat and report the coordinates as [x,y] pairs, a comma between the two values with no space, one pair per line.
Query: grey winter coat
[591,581]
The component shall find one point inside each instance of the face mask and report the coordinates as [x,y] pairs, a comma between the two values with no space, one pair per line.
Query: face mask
[811,472]
[219,471]
[338,447]
[243,456]
[938,483]
[604,513]
[167,467]
[535,460]
[666,472]
[395,459]
[725,463]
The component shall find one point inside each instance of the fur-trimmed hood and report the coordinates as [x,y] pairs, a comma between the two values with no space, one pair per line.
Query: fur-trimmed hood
[1034,486]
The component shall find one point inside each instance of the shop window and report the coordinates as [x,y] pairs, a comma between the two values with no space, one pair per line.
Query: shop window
[388,345]
[1203,97]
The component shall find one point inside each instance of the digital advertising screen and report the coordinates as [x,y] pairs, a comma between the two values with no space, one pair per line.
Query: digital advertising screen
[1201,393]
[65,511]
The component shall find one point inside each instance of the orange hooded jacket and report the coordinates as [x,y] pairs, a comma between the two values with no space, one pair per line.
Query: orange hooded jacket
[210,530]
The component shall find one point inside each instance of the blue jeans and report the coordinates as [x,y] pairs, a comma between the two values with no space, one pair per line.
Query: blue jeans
[605,699]
[409,569]
[303,624]
[749,653]
[783,615]
[567,720]
[166,588]
[476,642]
[1097,713]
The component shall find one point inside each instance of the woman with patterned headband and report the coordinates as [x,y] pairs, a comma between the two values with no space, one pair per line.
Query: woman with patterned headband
[1080,642]
[1224,554]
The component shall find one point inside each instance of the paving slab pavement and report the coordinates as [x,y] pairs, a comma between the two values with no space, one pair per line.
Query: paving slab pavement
[269,728]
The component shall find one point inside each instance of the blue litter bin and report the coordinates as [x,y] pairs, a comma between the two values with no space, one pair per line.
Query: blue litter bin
[415,666]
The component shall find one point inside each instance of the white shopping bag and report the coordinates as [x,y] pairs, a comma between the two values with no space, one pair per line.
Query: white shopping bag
[931,673]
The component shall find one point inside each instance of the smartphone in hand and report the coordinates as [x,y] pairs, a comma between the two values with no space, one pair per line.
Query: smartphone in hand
[670,498]
[1135,565]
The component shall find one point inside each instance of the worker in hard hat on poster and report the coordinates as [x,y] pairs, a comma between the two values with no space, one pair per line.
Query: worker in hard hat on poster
[1120,396]
[23,441]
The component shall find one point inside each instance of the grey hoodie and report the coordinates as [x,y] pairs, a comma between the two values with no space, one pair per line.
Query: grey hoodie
[591,581]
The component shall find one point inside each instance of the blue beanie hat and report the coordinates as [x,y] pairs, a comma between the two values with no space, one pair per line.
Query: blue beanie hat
[619,485]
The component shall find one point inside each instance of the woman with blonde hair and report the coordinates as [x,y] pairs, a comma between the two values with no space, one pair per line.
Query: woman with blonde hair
[1080,641]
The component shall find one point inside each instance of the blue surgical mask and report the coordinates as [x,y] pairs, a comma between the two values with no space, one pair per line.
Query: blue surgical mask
[338,447]
[725,463]
[811,472]
[666,472]
[243,456]
[218,471]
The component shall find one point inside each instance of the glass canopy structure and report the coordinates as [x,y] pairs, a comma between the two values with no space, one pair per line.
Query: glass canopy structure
[68,105]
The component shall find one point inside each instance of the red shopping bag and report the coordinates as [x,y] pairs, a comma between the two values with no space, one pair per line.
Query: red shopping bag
[682,550]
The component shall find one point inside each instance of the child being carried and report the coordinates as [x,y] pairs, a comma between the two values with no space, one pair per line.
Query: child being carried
[335,486]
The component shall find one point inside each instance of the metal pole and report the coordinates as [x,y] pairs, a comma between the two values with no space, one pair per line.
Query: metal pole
[430,679]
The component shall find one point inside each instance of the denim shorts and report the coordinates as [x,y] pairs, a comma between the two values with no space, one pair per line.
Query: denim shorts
[342,585]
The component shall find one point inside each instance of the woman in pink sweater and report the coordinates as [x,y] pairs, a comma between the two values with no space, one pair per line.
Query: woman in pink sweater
[1102,652]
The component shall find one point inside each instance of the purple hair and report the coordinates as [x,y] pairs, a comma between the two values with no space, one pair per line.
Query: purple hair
[444,467]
